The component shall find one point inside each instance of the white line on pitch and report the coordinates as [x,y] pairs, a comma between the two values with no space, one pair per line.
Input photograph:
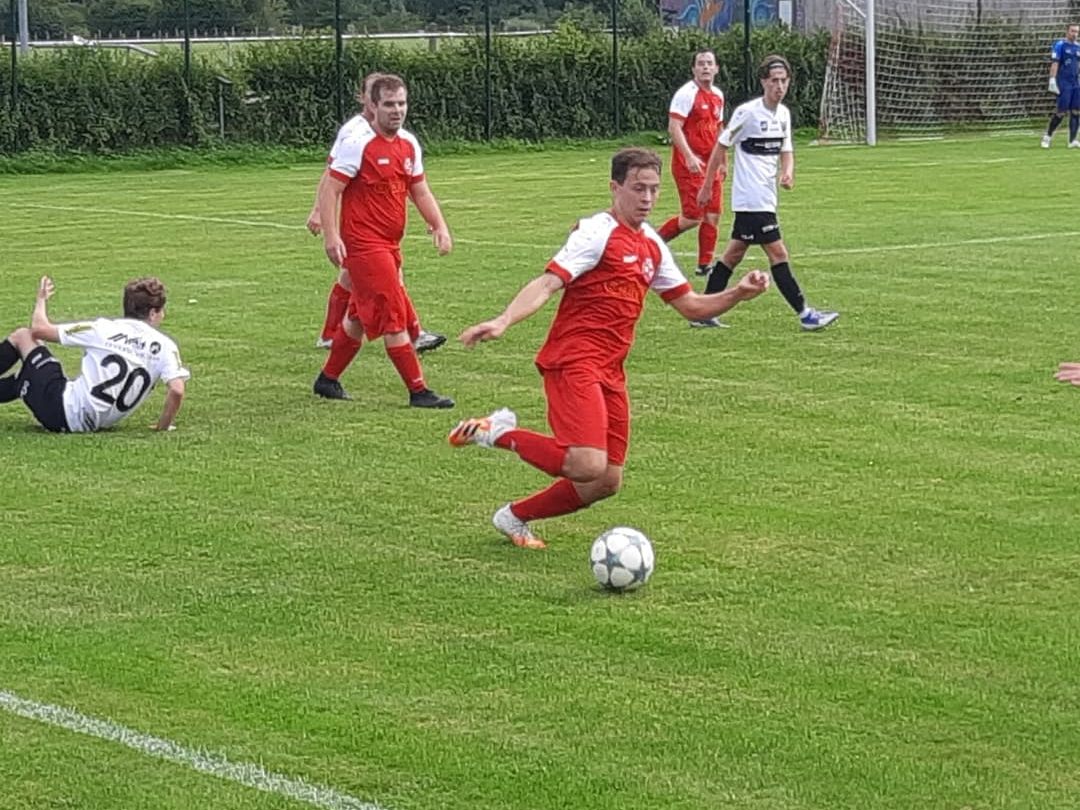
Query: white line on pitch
[985,240]
[207,762]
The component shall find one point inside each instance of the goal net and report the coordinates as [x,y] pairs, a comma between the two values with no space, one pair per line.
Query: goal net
[939,65]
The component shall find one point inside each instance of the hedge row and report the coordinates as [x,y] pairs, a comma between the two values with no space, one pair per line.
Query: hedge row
[104,101]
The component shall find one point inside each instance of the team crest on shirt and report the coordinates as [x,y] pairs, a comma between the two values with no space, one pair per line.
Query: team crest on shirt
[648,269]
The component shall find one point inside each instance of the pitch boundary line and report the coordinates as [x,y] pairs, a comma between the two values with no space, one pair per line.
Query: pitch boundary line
[207,762]
[806,254]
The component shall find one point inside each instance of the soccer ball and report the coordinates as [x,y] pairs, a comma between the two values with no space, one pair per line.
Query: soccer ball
[622,559]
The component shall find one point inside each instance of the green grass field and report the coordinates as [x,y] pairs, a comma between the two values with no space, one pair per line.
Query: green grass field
[867,593]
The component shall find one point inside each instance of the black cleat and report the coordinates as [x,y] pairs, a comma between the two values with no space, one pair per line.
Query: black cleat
[329,389]
[428,341]
[429,399]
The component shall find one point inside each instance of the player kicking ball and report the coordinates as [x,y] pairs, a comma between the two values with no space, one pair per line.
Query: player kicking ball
[123,359]
[605,269]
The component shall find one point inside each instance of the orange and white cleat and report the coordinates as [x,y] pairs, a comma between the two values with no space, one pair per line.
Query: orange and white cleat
[484,431]
[516,530]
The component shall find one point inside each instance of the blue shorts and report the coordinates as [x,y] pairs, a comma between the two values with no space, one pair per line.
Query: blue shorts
[1068,98]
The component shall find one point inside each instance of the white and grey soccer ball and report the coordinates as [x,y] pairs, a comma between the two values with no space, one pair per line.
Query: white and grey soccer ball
[622,559]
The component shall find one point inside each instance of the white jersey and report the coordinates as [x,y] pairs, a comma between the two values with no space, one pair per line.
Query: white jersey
[761,135]
[123,359]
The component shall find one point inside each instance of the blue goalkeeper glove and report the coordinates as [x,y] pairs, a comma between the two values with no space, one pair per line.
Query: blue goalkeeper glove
[1052,87]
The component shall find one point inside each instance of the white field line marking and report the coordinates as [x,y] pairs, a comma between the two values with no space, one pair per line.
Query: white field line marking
[986,240]
[207,762]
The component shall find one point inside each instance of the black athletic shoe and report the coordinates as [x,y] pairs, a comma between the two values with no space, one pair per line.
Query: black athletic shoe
[330,389]
[429,399]
[428,341]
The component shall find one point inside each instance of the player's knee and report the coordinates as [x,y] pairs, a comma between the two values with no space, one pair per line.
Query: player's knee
[609,483]
[353,329]
[586,465]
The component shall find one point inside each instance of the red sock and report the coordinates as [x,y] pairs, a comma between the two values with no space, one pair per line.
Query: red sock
[541,451]
[561,498]
[706,243]
[669,230]
[408,366]
[342,352]
[336,304]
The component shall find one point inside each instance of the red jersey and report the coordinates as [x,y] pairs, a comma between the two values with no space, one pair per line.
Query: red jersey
[379,172]
[702,114]
[607,268]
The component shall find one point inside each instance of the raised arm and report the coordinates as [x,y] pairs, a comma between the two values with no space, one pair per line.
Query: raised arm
[531,297]
[697,307]
[428,206]
[40,326]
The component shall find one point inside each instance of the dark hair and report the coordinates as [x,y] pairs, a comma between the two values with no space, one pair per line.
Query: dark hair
[143,295]
[633,157]
[693,59]
[772,61]
[385,82]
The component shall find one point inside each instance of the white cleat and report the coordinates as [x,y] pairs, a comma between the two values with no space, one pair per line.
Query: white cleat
[1074,144]
[515,529]
[324,343]
[484,432]
[816,319]
[1046,142]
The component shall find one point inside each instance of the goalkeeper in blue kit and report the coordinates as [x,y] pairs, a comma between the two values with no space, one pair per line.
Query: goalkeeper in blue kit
[1065,84]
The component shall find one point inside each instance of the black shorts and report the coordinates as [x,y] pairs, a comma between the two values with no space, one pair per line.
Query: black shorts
[41,387]
[756,227]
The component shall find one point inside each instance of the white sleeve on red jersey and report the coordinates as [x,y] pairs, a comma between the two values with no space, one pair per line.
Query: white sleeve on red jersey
[584,247]
[669,280]
[349,153]
[730,135]
[357,125]
[682,103]
[720,93]
[417,171]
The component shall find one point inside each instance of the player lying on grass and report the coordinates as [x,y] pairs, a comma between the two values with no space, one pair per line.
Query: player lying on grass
[123,358]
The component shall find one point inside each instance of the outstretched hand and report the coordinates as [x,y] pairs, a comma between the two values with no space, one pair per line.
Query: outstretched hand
[488,330]
[46,288]
[1068,373]
[753,284]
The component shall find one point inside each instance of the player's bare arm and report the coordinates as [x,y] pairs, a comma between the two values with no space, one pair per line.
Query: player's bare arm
[330,191]
[428,206]
[675,129]
[696,307]
[717,167]
[314,220]
[40,326]
[174,398]
[787,170]
[1068,373]
[527,302]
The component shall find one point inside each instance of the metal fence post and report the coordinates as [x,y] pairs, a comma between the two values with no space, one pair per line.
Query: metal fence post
[615,112]
[487,70]
[14,57]
[339,78]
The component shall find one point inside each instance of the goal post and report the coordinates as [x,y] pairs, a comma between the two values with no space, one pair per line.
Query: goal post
[922,68]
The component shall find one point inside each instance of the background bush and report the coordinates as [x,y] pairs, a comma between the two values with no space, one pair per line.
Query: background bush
[282,93]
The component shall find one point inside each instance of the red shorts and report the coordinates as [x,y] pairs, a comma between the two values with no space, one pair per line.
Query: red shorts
[588,408]
[379,300]
[689,185]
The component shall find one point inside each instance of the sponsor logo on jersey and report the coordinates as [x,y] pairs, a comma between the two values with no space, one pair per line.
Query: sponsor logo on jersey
[155,347]
[132,341]
[630,259]
[383,161]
